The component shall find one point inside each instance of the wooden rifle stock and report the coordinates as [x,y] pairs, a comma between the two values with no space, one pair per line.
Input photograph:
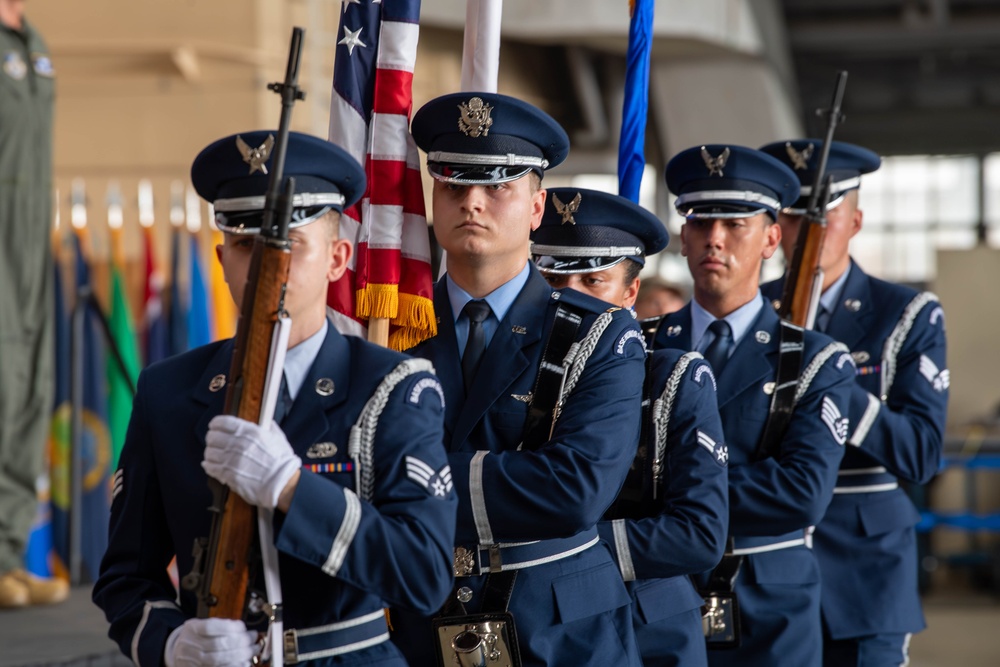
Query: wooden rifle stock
[224,562]
[804,277]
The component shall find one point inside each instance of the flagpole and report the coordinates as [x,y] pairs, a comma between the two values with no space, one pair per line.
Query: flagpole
[481,45]
[631,146]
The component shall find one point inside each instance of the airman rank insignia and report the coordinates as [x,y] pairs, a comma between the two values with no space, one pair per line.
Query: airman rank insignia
[719,450]
[256,157]
[13,65]
[939,379]
[631,334]
[438,483]
[800,159]
[474,118]
[118,483]
[567,210]
[836,422]
[422,385]
[321,450]
[714,164]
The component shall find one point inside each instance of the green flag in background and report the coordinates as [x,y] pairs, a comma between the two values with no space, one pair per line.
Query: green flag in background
[119,387]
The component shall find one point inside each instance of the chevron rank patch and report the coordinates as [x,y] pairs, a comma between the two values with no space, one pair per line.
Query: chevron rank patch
[837,423]
[438,483]
[424,384]
[939,379]
[631,334]
[719,450]
[118,483]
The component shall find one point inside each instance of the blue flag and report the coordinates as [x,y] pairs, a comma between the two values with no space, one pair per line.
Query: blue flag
[95,440]
[631,146]
[199,327]
[177,317]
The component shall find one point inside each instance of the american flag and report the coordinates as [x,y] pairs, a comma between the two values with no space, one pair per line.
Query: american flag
[390,272]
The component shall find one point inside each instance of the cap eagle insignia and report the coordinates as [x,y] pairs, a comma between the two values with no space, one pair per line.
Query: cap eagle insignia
[474,117]
[567,210]
[800,159]
[714,164]
[256,157]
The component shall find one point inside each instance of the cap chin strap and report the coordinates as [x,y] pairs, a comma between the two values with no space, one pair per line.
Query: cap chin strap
[584,251]
[838,187]
[834,203]
[470,159]
[256,203]
[749,196]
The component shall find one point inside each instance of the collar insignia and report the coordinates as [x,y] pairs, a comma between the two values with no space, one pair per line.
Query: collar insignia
[321,450]
[324,386]
[762,337]
[474,118]
[567,210]
[524,398]
[217,383]
[714,164]
[518,329]
[674,331]
[256,157]
[853,305]
[800,159]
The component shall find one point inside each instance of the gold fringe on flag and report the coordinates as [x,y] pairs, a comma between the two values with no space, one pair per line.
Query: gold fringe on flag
[377,301]
[415,322]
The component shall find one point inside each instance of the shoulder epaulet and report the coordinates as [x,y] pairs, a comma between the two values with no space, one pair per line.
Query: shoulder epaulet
[811,370]
[663,406]
[580,300]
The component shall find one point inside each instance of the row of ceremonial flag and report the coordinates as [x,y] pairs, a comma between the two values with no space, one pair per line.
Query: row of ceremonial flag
[389,277]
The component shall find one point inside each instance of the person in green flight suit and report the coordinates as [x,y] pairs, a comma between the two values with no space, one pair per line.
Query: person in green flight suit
[26,301]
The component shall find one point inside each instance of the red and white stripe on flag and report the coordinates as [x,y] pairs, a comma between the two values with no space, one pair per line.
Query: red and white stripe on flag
[390,272]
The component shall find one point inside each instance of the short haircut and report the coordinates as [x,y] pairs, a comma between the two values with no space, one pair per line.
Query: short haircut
[632,269]
[655,283]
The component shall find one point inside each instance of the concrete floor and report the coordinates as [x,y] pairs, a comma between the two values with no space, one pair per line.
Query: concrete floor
[963,630]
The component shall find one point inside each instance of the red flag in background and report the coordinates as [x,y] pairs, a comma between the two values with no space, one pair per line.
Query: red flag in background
[390,273]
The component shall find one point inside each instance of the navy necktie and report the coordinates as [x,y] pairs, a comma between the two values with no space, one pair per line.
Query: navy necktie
[718,351]
[822,318]
[284,402]
[477,312]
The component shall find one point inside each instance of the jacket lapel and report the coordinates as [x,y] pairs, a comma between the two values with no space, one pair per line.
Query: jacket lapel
[442,351]
[507,355]
[847,325]
[210,391]
[751,362]
[306,422]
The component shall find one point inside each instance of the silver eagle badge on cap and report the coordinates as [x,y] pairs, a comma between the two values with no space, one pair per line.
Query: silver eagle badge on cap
[715,164]
[256,157]
[800,159]
[567,210]
[474,117]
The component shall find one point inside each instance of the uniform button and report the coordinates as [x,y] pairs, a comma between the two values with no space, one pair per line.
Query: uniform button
[464,594]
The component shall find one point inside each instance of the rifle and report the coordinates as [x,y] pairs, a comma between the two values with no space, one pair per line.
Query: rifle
[804,277]
[223,562]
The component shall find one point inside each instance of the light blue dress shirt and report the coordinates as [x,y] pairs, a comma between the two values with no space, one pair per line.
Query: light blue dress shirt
[299,359]
[829,300]
[500,300]
[739,321]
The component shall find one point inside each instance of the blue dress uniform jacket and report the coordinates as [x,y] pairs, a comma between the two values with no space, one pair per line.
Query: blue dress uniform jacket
[866,543]
[775,501]
[398,555]
[574,610]
[685,534]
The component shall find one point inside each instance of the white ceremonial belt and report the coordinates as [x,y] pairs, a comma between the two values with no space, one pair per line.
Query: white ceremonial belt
[745,546]
[503,557]
[870,488]
[353,634]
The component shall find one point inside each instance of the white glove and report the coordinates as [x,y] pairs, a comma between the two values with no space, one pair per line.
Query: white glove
[254,462]
[210,642]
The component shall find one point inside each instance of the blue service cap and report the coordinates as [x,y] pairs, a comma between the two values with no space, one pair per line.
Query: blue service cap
[718,181]
[232,174]
[846,163]
[482,138]
[588,230]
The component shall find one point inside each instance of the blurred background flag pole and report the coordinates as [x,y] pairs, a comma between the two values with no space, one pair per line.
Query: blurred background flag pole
[389,279]
[198,325]
[631,146]
[154,325]
[177,329]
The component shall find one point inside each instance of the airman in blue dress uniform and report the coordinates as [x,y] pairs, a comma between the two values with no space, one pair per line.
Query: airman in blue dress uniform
[356,530]
[730,197]
[671,518]
[529,510]
[866,543]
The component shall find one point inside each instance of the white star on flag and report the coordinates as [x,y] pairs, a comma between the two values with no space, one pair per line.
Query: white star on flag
[352,39]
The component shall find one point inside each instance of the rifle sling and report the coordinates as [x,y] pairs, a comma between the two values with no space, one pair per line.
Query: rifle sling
[791,351]
[549,381]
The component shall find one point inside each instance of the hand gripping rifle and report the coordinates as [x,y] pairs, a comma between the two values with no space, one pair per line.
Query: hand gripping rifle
[224,562]
[804,277]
